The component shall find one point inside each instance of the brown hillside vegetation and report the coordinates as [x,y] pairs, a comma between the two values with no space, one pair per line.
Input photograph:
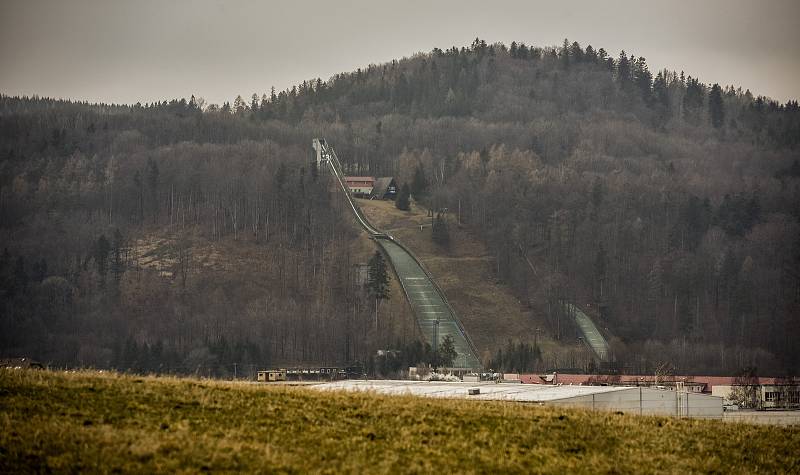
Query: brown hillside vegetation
[665,207]
[105,422]
[243,270]
[490,312]
[396,323]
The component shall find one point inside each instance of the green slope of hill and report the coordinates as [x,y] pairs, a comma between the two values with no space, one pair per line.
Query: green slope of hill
[105,422]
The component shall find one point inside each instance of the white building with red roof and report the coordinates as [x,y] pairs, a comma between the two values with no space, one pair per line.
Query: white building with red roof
[360,185]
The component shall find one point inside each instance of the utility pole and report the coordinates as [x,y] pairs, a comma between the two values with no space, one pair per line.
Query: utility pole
[436,340]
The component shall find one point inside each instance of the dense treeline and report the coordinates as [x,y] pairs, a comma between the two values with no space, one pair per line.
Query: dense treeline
[183,258]
[516,358]
[666,207]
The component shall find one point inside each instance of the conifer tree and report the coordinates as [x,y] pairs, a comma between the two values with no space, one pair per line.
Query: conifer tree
[661,98]
[715,107]
[565,54]
[402,200]
[446,352]
[239,105]
[522,51]
[254,104]
[576,52]
[693,100]
[440,233]
[623,71]
[591,54]
[419,184]
[377,280]
[643,79]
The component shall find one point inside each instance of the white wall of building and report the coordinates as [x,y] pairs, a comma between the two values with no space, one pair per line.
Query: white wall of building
[647,401]
[628,399]
[722,391]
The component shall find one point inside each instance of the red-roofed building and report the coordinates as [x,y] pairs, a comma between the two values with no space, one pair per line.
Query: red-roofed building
[360,185]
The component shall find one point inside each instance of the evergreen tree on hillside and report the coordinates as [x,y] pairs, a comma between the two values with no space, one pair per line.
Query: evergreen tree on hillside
[239,105]
[565,54]
[446,352]
[604,59]
[661,99]
[715,106]
[263,108]
[377,280]
[402,200]
[419,184]
[254,104]
[738,213]
[591,54]
[522,51]
[576,52]
[440,233]
[693,100]
[623,71]
[643,79]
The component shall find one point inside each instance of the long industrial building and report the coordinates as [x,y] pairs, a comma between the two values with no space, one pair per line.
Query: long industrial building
[632,400]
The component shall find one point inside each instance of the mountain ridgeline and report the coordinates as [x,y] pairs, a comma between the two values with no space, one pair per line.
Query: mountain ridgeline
[191,237]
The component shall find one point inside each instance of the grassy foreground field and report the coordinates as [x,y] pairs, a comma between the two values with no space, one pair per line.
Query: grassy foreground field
[89,421]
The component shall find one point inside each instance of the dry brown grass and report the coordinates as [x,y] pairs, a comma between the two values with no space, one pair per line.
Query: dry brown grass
[488,309]
[246,270]
[92,422]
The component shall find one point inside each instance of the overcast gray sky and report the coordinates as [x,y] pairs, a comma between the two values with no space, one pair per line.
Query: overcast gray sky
[145,50]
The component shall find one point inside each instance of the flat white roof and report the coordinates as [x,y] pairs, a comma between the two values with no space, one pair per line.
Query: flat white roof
[488,390]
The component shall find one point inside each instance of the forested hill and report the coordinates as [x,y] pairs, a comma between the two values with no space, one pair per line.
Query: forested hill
[666,207]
